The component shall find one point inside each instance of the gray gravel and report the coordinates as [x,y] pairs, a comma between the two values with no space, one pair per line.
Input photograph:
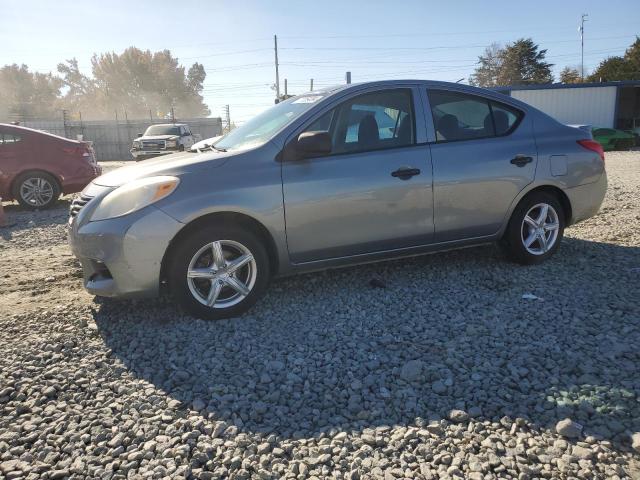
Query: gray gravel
[442,370]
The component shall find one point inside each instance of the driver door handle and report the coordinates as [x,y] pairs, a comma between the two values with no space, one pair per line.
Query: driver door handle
[405,173]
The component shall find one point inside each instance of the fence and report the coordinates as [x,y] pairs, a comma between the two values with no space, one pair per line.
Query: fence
[112,138]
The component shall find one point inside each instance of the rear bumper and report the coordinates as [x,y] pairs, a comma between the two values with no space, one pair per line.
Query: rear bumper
[586,199]
[122,257]
[77,183]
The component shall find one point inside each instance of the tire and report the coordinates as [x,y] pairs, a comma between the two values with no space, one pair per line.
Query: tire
[36,190]
[520,231]
[194,252]
[181,148]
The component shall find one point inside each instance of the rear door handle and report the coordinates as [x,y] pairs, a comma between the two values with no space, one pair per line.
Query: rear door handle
[521,160]
[405,173]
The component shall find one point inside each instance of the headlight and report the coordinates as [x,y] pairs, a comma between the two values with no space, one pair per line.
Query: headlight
[171,143]
[133,196]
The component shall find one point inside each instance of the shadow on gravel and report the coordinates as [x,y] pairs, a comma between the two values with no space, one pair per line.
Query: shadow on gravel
[450,331]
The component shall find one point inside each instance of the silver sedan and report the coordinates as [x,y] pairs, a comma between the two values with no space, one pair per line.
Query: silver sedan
[353,174]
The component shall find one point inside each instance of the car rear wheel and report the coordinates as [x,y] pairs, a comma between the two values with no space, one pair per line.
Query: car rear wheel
[36,190]
[536,229]
[218,271]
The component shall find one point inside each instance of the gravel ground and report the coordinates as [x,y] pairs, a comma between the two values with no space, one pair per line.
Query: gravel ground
[446,372]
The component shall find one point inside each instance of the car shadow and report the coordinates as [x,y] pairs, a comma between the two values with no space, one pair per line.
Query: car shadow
[329,351]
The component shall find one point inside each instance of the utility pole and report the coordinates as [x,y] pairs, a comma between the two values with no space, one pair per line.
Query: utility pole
[227,115]
[285,89]
[582,20]
[348,77]
[173,117]
[275,46]
[311,89]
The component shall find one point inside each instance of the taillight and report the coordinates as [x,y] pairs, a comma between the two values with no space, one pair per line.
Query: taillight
[85,152]
[593,146]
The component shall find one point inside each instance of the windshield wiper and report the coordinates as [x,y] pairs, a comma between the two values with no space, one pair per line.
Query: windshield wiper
[218,148]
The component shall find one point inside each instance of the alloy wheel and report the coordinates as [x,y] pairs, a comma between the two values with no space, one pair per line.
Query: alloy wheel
[36,191]
[222,274]
[539,231]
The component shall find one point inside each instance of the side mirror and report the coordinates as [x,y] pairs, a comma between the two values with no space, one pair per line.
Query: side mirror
[313,144]
[138,135]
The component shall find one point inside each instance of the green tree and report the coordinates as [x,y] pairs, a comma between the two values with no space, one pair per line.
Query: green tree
[570,75]
[612,68]
[518,63]
[626,67]
[27,95]
[523,64]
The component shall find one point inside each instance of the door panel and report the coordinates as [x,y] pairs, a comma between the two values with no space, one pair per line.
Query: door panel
[11,148]
[484,155]
[475,183]
[350,204]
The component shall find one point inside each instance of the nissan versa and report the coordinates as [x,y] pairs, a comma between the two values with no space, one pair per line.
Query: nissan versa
[342,176]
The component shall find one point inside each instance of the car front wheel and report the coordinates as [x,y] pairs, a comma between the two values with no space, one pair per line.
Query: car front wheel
[536,228]
[218,271]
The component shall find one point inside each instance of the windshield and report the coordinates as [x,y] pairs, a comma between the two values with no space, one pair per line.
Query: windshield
[162,130]
[259,130]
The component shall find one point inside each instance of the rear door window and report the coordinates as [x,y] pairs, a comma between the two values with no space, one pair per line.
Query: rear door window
[458,116]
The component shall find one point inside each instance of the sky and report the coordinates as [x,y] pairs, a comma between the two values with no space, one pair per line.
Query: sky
[320,40]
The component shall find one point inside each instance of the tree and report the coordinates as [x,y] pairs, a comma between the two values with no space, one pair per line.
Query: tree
[486,75]
[523,64]
[27,95]
[80,89]
[626,67]
[138,81]
[570,75]
[518,63]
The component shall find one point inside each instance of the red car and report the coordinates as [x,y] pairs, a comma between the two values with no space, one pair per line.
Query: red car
[36,167]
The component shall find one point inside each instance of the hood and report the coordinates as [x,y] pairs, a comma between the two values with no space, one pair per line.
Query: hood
[173,164]
[156,137]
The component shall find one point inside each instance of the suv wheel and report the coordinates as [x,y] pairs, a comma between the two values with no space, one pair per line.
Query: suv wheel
[36,190]
[535,229]
[218,272]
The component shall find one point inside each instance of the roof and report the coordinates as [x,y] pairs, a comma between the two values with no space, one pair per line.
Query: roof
[20,128]
[553,86]
[399,83]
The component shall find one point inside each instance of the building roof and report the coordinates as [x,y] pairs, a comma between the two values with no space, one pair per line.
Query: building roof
[552,86]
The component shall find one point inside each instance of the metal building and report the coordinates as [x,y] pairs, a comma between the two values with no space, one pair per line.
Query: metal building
[606,104]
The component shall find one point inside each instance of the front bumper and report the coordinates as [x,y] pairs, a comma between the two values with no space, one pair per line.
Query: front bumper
[151,153]
[122,257]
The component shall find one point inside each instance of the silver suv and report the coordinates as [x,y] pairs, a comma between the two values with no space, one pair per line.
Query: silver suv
[162,139]
[346,175]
